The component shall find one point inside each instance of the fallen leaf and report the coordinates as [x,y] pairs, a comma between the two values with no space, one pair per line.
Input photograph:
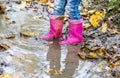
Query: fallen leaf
[10,36]
[104,27]
[6,76]
[48,70]
[43,1]
[101,51]
[101,64]
[1,9]
[95,23]
[91,11]
[93,55]
[95,18]
[86,26]
[104,11]
[114,46]
[82,55]
[97,13]
[29,34]
[58,72]
[4,46]
[113,31]
[84,13]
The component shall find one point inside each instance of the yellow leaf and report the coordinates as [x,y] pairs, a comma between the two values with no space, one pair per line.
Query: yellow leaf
[29,34]
[93,16]
[98,17]
[95,23]
[104,27]
[98,13]
[6,76]
[101,51]
[86,26]
[43,1]
[100,65]
[93,54]
[84,48]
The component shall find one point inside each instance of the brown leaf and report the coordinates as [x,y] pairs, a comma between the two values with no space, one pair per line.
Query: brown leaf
[58,72]
[4,46]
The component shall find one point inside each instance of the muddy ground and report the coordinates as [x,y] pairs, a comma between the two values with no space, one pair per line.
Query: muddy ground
[24,55]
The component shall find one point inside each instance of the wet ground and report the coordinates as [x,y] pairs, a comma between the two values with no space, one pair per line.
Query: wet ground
[29,57]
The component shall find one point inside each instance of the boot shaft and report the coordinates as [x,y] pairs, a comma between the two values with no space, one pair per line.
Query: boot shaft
[56,23]
[75,27]
[75,32]
[55,30]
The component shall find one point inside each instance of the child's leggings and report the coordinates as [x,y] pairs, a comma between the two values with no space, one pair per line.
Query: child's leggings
[71,8]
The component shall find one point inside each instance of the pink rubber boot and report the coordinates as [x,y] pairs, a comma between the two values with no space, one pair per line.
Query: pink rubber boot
[56,25]
[75,32]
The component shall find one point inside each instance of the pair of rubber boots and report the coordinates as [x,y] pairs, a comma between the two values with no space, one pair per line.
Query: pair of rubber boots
[55,32]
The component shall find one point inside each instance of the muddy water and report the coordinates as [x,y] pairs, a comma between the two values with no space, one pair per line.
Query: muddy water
[25,55]
[34,58]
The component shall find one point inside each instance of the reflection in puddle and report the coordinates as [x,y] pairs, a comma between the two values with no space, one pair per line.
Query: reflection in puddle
[71,60]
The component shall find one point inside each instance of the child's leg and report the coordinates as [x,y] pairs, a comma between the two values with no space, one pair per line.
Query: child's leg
[56,21]
[75,23]
[72,9]
[59,7]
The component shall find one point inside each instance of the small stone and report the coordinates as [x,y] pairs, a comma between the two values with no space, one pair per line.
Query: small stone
[13,22]
[18,2]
